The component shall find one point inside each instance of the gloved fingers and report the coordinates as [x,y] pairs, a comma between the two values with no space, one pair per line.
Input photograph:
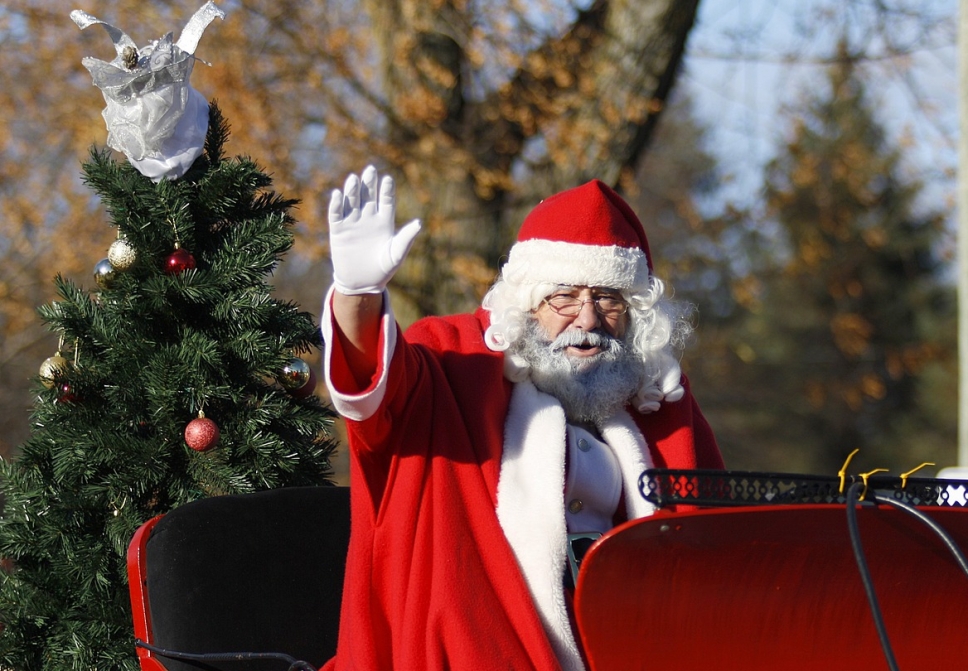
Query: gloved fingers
[368,191]
[400,245]
[365,250]
[387,196]
[351,197]
[336,208]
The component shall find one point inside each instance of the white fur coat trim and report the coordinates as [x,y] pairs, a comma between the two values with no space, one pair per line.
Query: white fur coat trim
[358,406]
[531,505]
[628,444]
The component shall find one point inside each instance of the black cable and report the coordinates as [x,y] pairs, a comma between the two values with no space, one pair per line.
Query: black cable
[294,664]
[945,538]
[853,498]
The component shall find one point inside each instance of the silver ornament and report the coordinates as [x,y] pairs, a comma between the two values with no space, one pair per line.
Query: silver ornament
[104,274]
[294,374]
[121,254]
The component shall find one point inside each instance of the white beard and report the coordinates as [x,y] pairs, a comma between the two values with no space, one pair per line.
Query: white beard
[590,389]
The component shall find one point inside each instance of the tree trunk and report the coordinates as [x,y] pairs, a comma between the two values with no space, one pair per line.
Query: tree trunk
[588,98]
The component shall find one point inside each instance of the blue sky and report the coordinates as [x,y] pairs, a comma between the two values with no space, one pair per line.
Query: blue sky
[750,61]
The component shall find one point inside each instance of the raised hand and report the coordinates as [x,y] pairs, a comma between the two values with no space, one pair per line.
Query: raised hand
[365,247]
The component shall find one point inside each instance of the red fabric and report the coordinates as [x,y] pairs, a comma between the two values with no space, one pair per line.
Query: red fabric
[591,214]
[431,581]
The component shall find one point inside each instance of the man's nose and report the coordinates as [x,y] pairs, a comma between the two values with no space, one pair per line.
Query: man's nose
[587,318]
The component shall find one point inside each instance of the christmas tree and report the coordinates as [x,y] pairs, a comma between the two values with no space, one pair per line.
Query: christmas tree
[179,376]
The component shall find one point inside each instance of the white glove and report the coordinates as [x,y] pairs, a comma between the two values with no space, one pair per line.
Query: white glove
[365,248]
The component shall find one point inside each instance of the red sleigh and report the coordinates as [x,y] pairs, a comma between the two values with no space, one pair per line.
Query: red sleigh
[765,576]
[752,571]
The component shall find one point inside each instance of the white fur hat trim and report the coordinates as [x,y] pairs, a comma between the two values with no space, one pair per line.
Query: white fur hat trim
[549,261]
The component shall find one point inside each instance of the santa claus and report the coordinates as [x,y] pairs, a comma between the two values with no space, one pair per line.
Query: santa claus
[481,444]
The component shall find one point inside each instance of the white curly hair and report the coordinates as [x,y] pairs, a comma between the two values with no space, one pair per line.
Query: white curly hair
[658,328]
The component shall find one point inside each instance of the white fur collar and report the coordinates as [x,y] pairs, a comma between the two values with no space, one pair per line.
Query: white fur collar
[629,446]
[531,506]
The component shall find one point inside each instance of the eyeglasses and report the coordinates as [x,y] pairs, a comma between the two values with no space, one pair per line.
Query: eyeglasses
[570,306]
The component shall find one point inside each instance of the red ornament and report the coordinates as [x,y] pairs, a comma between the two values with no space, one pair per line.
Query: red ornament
[179,261]
[307,389]
[201,434]
[65,393]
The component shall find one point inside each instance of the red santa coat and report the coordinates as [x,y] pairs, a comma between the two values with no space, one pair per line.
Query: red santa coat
[432,581]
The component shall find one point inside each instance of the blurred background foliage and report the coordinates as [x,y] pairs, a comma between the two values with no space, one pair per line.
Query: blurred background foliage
[825,311]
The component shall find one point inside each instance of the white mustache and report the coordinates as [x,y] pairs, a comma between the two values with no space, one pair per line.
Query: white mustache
[581,338]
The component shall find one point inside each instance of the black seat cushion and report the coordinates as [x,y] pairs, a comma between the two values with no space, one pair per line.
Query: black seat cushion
[257,572]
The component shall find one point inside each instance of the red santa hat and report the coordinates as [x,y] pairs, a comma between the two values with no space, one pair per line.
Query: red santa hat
[585,236]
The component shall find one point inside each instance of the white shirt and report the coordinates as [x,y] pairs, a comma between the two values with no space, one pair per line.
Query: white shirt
[593,483]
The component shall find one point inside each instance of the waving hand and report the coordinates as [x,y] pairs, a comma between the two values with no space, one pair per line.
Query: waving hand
[365,247]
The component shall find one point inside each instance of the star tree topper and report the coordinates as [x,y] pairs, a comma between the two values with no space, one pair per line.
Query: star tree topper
[153,115]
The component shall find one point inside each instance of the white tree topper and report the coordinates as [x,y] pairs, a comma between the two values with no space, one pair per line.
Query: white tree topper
[153,115]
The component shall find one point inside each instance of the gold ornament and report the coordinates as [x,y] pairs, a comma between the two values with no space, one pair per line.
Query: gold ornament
[121,255]
[56,366]
[52,368]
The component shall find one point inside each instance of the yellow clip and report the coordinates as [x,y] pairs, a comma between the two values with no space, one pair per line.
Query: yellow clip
[843,469]
[905,476]
[864,476]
